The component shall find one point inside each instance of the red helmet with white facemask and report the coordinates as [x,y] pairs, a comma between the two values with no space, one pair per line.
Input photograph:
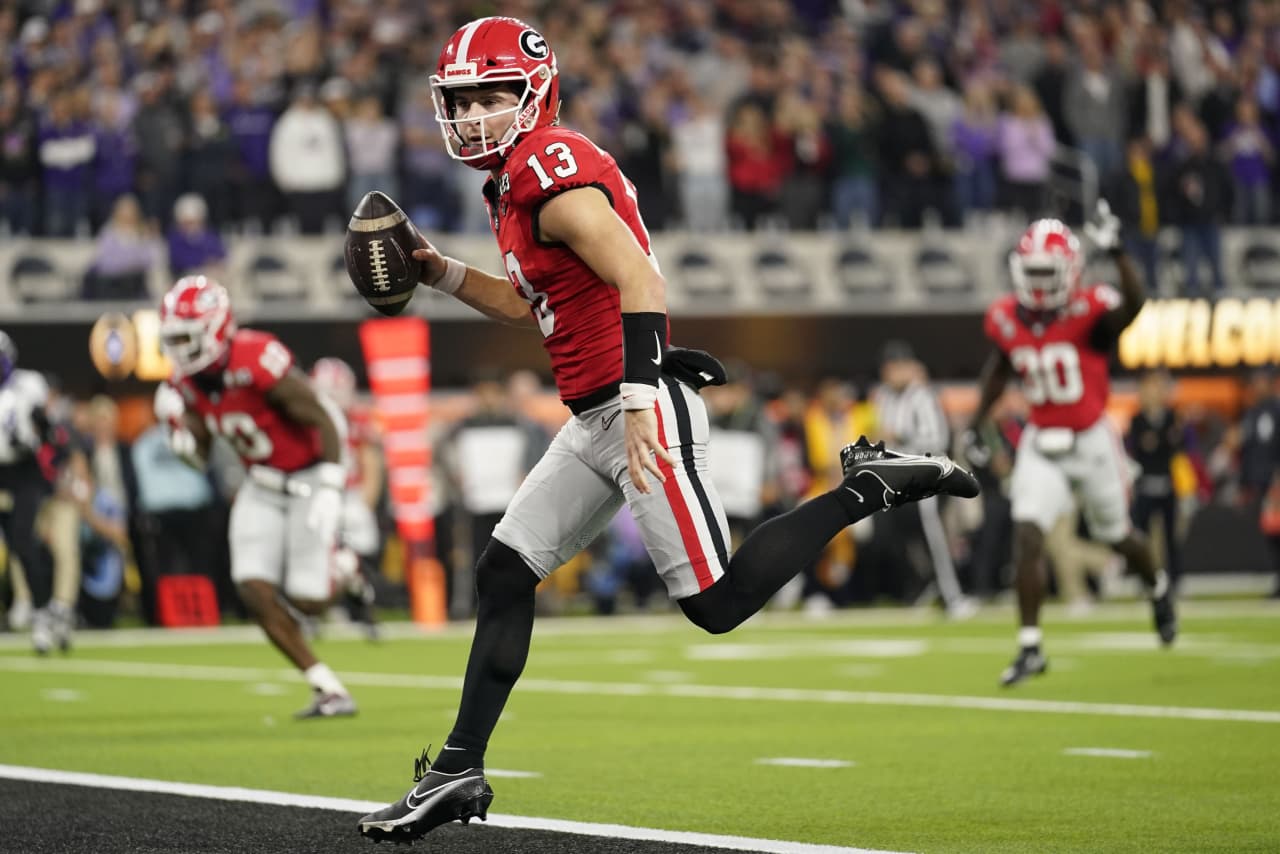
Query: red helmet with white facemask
[488,51]
[334,378]
[196,324]
[1046,265]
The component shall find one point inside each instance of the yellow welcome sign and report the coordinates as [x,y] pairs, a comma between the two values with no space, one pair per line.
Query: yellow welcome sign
[1197,333]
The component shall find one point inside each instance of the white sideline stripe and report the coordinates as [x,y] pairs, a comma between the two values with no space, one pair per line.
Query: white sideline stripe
[797,762]
[1109,752]
[288,799]
[207,673]
[511,775]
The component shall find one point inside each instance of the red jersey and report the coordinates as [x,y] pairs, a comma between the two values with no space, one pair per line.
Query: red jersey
[579,314]
[1065,374]
[234,405]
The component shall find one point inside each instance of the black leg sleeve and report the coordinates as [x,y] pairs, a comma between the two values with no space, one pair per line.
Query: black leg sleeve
[504,624]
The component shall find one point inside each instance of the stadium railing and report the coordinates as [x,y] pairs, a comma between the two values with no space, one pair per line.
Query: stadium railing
[853,272]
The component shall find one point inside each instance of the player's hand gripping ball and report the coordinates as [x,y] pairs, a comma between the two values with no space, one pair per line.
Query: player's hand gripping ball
[379,253]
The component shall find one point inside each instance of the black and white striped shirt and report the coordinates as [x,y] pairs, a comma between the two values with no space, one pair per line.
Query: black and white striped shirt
[913,418]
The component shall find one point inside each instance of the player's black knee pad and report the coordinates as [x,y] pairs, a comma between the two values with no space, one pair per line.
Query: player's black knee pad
[714,610]
[502,576]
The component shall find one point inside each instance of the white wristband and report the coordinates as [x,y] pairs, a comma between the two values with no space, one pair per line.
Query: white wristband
[451,279]
[331,475]
[638,396]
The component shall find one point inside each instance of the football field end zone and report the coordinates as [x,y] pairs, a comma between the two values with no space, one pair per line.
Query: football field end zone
[214,673]
[358,807]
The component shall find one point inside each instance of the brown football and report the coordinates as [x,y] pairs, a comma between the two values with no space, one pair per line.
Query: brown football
[378,252]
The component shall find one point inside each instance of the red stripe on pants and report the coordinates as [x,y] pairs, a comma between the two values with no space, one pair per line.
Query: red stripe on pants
[684,519]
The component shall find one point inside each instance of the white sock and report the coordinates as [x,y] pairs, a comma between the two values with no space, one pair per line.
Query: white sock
[1030,636]
[323,679]
[1162,584]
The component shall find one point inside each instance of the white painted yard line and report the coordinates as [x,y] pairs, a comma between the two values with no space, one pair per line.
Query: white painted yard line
[1107,752]
[287,799]
[797,762]
[511,775]
[641,625]
[62,695]
[268,689]
[205,673]
[808,649]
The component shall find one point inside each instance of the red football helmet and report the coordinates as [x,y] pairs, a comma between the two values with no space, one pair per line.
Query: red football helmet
[334,378]
[1046,265]
[496,50]
[196,324]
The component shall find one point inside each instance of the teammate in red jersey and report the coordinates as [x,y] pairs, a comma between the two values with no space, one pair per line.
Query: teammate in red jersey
[1056,336]
[579,267]
[241,385]
[358,535]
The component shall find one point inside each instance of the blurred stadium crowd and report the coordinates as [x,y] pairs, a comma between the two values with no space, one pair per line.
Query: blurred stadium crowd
[122,515]
[277,114]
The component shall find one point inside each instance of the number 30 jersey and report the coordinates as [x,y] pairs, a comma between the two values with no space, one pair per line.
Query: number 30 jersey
[233,404]
[578,313]
[1063,366]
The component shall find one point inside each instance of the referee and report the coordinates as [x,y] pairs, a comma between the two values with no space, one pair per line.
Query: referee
[911,419]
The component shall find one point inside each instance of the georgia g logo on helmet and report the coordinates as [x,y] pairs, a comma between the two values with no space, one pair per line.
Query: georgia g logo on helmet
[487,52]
[534,45]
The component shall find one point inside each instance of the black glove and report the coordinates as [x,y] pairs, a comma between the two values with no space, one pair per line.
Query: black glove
[696,368]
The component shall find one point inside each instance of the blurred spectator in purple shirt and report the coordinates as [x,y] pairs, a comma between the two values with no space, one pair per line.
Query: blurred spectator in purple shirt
[1250,155]
[66,154]
[1026,146]
[193,245]
[974,137]
[114,159]
[250,123]
[126,252]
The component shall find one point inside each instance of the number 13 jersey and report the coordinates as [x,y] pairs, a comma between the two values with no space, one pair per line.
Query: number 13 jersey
[578,313]
[1062,359]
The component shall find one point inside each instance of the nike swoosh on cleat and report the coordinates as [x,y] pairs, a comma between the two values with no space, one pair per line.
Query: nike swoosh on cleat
[435,795]
[889,492]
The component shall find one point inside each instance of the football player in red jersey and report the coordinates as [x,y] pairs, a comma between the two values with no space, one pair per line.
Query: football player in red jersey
[1056,336]
[358,535]
[241,385]
[579,268]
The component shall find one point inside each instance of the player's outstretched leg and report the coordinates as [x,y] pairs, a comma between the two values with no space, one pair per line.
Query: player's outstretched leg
[1136,549]
[1028,551]
[453,787]
[874,478]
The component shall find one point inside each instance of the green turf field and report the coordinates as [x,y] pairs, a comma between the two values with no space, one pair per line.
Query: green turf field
[648,722]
